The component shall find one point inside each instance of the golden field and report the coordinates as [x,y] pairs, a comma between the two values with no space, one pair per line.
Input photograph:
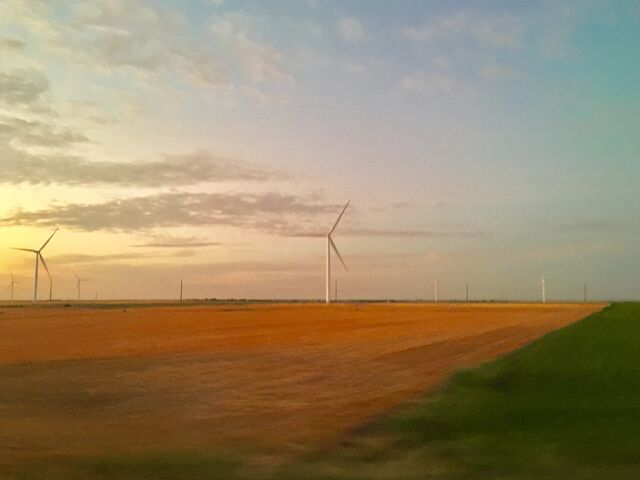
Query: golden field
[278,377]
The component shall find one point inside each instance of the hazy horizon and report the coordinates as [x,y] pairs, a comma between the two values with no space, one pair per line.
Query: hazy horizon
[216,141]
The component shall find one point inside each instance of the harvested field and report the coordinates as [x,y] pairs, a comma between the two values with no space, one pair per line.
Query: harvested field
[276,377]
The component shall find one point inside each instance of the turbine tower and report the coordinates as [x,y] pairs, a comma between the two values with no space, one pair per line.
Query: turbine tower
[544,290]
[331,245]
[79,281]
[39,258]
[435,291]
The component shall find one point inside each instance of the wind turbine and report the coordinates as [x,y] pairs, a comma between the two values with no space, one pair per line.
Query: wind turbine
[79,281]
[39,258]
[435,291]
[544,290]
[331,245]
[11,284]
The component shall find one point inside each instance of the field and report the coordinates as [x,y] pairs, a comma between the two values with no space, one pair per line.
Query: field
[565,406]
[85,388]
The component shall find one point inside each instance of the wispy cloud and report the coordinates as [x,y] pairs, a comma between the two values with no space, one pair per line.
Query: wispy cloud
[498,30]
[170,170]
[75,259]
[165,241]
[392,233]
[32,133]
[602,226]
[9,45]
[122,35]
[256,59]
[351,29]
[429,83]
[267,212]
[150,41]
[22,87]
[392,206]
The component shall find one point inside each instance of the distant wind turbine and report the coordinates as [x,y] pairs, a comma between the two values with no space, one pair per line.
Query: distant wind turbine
[11,284]
[331,245]
[78,282]
[435,291]
[544,290]
[39,258]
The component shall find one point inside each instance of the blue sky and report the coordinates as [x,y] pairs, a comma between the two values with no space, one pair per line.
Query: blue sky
[484,142]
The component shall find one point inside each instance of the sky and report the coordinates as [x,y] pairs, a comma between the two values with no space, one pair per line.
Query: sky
[486,143]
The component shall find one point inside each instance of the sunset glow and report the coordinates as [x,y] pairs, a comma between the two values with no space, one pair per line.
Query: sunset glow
[488,143]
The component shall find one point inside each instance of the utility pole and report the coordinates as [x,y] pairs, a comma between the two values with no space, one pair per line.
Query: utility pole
[585,293]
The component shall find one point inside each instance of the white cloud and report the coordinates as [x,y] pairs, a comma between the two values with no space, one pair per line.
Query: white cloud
[494,30]
[429,83]
[117,36]
[351,29]
[257,60]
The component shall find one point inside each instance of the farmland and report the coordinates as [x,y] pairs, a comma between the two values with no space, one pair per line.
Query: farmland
[275,381]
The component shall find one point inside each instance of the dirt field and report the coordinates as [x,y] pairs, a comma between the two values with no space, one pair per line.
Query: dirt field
[281,377]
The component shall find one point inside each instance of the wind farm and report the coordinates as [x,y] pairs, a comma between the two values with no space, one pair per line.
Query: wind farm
[319,240]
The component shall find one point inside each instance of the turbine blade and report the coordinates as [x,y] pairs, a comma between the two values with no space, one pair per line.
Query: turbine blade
[48,240]
[335,249]
[44,264]
[75,275]
[24,249]
[339,217]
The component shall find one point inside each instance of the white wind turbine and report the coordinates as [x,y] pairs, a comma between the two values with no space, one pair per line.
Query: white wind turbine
[79,281]
[331,245]
[544,290]
[11,284]
[39,258]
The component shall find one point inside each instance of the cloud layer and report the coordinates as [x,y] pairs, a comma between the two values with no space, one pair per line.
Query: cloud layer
[171,170]
[268,212]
